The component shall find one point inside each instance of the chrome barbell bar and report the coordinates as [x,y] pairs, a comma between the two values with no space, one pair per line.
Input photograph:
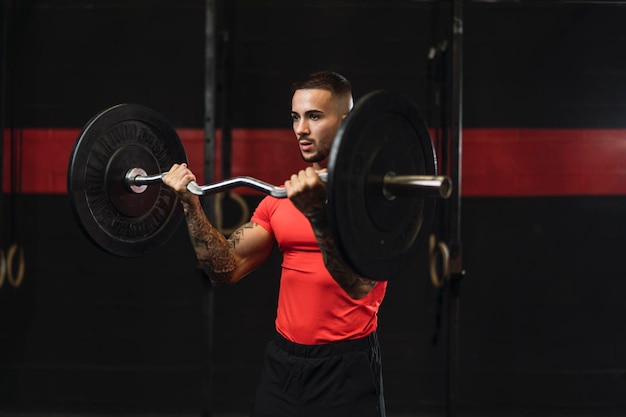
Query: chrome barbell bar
[393,185]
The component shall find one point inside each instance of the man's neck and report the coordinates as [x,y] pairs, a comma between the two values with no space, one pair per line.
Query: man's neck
[318,166]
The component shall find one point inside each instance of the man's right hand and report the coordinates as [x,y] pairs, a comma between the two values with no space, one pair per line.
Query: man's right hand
[177,179]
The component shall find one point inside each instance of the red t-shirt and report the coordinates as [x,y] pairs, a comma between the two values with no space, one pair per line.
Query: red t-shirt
[312,307]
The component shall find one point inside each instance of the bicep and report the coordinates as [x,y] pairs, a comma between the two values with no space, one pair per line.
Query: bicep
[252,245]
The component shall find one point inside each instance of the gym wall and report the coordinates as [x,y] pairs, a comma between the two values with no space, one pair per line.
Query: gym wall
[542,210]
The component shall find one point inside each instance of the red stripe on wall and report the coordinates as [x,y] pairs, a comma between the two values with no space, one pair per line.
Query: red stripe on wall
[543,162]
[496,162]
[36,160]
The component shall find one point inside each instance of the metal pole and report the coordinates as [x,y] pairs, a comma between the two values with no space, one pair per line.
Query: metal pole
[3,66]
[455,158]
[208,204]
[224,69]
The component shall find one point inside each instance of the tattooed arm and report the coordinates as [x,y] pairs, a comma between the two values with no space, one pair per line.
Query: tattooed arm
[356,285]
[223,260]
[313,206]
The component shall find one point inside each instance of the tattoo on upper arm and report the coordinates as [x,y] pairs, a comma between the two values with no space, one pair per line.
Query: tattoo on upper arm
[237,236]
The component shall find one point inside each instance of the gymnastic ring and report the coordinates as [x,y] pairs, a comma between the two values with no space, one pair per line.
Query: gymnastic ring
[434,248]
[3,267]
[245,212]
[15,281]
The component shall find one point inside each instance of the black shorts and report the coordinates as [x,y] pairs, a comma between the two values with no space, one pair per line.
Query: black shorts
[341,379]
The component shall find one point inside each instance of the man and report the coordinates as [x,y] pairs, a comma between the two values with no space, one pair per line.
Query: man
[325,359]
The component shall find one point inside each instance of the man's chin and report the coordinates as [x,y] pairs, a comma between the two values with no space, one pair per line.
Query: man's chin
[312,158]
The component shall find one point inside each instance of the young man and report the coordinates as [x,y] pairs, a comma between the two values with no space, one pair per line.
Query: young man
[325,359]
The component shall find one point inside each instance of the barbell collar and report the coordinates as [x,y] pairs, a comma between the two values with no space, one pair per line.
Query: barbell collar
[412,185]
[135,178]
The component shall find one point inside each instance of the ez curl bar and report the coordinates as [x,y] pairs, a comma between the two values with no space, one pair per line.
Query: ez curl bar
[137,181]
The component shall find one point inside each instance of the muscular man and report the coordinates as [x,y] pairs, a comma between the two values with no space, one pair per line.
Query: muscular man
[324,360]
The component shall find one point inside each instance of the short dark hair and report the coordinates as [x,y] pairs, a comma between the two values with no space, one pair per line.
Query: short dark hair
[334,82]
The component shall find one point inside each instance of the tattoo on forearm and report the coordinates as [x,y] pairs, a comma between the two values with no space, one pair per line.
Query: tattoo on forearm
[213,251]
[354,284]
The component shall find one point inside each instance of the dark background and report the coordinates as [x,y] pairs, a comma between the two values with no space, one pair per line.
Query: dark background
[541,319]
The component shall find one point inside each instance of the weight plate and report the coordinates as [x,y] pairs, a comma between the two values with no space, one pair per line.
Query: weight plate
[383,134]
[117,220]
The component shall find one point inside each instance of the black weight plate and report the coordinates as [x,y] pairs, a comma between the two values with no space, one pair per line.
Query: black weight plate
[116,219]
[383,134]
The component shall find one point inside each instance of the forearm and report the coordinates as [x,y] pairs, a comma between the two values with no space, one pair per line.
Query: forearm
[215,254]
[356,285]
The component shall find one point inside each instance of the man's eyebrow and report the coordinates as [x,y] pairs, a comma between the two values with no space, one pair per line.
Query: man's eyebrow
[308,112]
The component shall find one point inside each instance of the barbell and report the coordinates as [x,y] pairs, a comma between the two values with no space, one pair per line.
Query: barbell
[382,182]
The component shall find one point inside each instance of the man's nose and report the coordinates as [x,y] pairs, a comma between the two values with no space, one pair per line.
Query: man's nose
[302,128]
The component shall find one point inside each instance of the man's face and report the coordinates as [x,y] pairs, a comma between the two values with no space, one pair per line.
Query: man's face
[316,118]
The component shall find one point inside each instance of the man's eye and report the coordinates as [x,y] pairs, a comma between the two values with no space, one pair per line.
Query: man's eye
[295,117]
[315,117]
